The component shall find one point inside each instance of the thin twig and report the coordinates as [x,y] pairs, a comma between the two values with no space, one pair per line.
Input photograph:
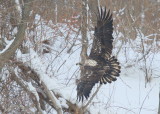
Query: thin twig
[145,99]
[95,93]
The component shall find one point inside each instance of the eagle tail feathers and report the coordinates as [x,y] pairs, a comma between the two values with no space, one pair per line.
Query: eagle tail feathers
[112,73]
[115,66]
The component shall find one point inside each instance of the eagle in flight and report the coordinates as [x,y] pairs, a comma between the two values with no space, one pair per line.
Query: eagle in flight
[100,66]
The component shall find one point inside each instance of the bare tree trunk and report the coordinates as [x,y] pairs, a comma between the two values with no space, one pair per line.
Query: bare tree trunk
[159,104]
[4,57]
[84,33]
[93,4]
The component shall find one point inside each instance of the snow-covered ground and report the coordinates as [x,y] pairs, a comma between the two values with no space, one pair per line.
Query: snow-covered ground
[128,95]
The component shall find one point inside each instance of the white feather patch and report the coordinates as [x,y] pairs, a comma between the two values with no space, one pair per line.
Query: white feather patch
[90,62]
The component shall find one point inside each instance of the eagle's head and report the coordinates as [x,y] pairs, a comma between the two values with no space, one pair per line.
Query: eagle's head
[89,62]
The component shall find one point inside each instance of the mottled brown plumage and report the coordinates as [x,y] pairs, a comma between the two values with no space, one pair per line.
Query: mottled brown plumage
[106,68]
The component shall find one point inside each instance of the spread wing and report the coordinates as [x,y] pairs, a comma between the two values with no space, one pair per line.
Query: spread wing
[108,67]
[102,43]
[84,88]
[86,83]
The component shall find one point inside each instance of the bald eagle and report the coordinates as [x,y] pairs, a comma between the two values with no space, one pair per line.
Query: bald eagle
[100,66]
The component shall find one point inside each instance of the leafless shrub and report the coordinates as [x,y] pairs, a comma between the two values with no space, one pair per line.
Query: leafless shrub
[129,17]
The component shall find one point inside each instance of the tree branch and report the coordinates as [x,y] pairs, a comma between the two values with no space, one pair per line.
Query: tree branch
[84,34]
[4,57]
[45,93]
[85,107]
[32,96]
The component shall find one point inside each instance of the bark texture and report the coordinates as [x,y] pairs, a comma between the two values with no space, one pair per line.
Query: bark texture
[4,57]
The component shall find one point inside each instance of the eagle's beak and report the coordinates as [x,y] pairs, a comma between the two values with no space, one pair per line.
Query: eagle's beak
[78,63]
